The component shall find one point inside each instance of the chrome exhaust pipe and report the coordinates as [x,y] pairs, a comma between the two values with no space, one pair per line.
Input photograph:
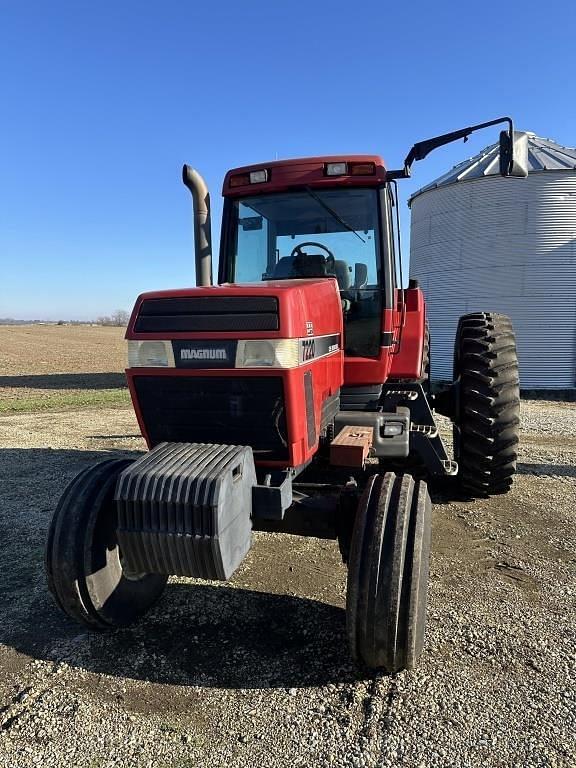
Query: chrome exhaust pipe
[202,227]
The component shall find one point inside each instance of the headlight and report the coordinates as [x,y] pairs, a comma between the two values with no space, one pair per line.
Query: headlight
[150,354]
[269,353]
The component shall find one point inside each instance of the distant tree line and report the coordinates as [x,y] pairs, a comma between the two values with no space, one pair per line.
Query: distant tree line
[118,318]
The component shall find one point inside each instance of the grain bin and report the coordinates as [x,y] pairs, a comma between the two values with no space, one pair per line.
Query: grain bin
[481,242]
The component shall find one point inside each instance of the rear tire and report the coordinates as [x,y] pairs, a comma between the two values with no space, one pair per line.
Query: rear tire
[488,409]
[388,573]
[83,561]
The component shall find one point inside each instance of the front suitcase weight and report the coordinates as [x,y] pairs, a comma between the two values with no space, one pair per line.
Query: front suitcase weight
[185,509]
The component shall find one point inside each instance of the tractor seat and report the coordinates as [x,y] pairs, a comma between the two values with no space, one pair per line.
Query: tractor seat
[284,269]
[342,274]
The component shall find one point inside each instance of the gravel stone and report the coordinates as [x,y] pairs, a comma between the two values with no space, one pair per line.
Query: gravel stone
[256,672]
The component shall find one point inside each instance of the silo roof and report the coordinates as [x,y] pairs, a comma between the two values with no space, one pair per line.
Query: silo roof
[543,155]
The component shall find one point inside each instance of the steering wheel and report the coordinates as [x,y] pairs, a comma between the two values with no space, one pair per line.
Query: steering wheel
[328,260]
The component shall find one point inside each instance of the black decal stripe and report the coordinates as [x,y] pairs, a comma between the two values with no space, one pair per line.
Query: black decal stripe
[386,338]
[310,416]
[313,347]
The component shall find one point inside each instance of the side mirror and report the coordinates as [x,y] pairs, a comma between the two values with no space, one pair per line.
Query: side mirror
[360,275]
[514,154]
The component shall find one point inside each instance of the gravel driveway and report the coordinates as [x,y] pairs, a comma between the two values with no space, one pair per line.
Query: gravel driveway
[256,672]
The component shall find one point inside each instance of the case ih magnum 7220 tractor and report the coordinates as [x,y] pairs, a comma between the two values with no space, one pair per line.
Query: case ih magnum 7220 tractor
[293,396]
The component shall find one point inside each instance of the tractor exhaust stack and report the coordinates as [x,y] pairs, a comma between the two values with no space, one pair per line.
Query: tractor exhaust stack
[202,227]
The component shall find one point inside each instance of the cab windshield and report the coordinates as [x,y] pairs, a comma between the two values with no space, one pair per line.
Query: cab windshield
[314,233]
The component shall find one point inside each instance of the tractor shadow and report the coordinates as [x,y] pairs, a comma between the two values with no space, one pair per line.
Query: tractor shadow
[199,633]
[66,381]
[547,470]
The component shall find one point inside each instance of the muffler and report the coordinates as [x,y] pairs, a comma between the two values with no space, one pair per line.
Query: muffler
[202,224]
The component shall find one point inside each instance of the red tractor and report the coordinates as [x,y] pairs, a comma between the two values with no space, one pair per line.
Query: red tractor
[293,396]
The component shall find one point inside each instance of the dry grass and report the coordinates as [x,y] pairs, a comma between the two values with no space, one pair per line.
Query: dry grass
[56,367]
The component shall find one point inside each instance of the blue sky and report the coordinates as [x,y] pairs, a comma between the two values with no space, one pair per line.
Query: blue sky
[102,102]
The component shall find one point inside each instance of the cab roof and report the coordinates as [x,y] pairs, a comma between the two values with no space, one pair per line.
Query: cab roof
[283,175]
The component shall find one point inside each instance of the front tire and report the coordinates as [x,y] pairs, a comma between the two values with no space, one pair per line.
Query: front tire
[388,573]
[83,562]
[487,420]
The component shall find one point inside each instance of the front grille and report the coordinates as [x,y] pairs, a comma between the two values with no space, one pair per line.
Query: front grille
[208,313]
[203,409]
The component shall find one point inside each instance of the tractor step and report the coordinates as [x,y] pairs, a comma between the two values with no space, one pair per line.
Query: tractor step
[451,467]
[424,429]
[406,394]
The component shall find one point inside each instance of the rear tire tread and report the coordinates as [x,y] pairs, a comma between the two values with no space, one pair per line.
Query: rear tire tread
[488,421]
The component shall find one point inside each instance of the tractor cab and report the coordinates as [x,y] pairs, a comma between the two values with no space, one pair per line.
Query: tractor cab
[315,218]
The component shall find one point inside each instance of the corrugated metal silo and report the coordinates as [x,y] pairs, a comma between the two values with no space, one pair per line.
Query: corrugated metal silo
[481,242]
